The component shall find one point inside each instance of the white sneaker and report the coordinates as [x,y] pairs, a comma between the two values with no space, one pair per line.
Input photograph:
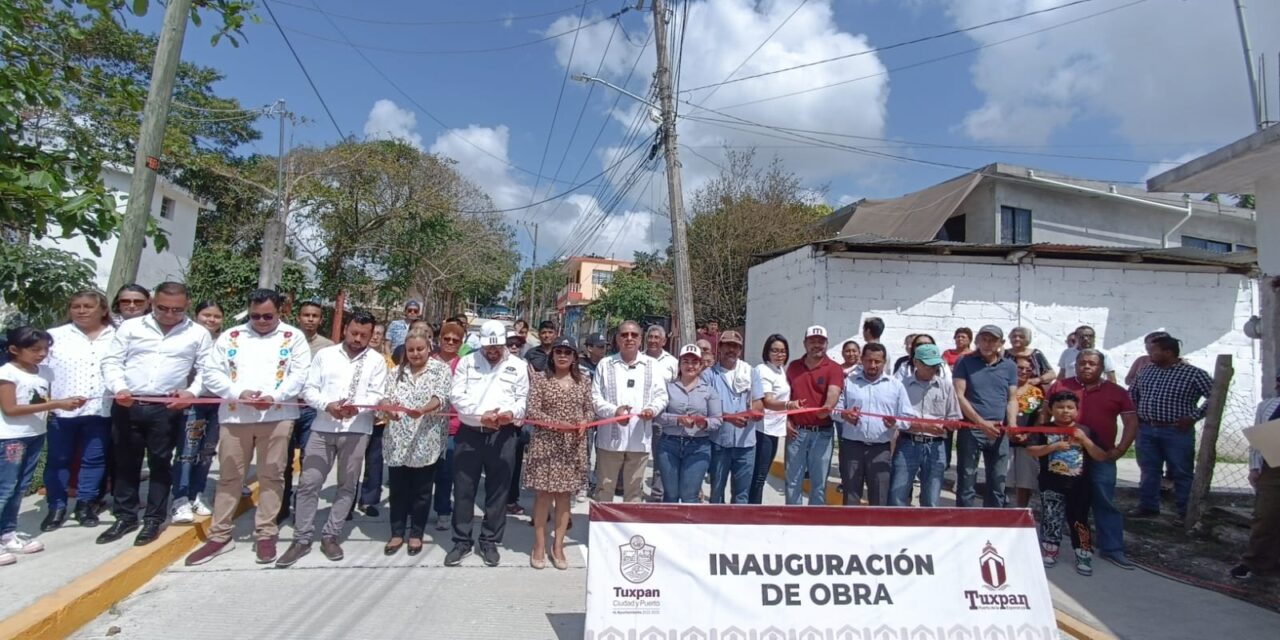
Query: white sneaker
[7,558]
[182,513]
[20,543]
[200,507]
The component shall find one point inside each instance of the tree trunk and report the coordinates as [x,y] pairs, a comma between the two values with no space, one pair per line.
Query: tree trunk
[1217,402]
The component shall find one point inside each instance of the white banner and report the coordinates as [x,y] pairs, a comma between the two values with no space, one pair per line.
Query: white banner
[721,572]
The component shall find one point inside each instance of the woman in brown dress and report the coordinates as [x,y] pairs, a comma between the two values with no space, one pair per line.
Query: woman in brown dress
[555,464]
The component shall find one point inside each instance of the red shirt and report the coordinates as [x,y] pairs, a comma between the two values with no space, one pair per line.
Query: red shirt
[810,385]
[1100,407]
[951,356]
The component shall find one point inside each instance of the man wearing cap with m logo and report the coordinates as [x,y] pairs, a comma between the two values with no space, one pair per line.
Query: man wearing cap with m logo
[816,381]
[490,389]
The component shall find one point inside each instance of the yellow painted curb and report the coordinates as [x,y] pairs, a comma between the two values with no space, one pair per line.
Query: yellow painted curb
[64,611]
[835,497]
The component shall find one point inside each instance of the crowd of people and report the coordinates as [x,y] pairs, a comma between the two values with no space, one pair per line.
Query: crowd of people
[150,378]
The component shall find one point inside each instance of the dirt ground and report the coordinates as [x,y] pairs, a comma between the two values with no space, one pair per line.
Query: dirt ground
[1204,557]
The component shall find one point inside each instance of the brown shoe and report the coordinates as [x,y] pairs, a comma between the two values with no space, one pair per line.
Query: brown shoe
[265,549]
[208,551]
[330,548]
[293,554]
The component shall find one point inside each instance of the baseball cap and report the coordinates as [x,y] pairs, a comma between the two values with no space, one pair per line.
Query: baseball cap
[691,350]
[564,343]
[732,337]
[993,330]
[929,354]
[816,331]
[493,334]
[596,340]
[413,304]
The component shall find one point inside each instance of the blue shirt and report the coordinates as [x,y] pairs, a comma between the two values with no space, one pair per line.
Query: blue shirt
[987,385]
[701,400]
[884,395]
[397,331]
[721,379]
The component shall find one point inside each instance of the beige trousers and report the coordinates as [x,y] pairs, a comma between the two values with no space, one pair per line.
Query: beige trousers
[237,444]
[632,464]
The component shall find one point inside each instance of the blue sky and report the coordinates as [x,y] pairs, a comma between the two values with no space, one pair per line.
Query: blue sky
[1135,85]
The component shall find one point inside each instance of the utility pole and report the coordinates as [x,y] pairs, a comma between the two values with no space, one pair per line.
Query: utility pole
[271,271]
[146,161]
[1248,65]
[533,273]
[675,194]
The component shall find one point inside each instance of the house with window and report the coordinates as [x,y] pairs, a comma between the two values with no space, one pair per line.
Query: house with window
[1009,204]
[175,211]
[586,278]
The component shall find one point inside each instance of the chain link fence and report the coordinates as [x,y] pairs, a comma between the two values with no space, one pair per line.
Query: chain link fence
[1231,466]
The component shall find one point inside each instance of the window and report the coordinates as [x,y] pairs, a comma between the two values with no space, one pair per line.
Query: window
[1245,247]
[1015,225]
[167,206]
[599,276]
[1207,245]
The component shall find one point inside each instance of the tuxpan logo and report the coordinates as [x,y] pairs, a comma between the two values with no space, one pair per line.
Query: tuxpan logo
[636,560]
[995,577]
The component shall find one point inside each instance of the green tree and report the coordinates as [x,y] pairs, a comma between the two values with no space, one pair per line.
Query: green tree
[227,276]
[1246,201]
[545,282]
[744,211]
[37,281]
[630,295]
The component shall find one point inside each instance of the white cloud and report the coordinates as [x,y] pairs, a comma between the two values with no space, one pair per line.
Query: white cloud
[387,121]
[719,36]
[1166,164]
[1157,71]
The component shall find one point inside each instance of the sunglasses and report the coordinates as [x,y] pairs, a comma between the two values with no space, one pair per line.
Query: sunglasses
[131,303]
[629,335]
[450,339]
[256,317]
[170,310]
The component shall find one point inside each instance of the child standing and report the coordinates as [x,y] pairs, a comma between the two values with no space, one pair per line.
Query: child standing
[24,407]
[1064,483]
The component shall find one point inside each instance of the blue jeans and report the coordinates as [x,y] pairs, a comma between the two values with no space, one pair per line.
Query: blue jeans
[89,434]
[1106,517]
[199,447]
[731,466]
[1158,446]
[911,457]
[18,460]
[443,500]
[809,451]
[766,450]
[970,443]
[683,461]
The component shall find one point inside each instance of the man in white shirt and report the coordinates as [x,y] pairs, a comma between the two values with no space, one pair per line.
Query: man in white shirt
[655,342]
[489,392]
[151,356]
[259,364]
[343,385]
[1086,336]
[310,317]
[631,386]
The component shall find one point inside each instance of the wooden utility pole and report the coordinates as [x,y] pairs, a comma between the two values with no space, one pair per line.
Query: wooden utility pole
[146,161]
[1214,406]
[271,271]
[675,195]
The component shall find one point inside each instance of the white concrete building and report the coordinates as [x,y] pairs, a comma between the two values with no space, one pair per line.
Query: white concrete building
[1009,204]
[1204,299]
[174,209]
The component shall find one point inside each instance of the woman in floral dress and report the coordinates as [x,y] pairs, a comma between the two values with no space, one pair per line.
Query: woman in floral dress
[415,439]
[555,464]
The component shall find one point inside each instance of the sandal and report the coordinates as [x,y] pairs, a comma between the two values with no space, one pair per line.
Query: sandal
[393,546]
[415,549]
[559,563]
[537,563]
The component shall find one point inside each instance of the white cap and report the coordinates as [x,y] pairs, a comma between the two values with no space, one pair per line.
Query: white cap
[493,334]
[690,350]
[815,330]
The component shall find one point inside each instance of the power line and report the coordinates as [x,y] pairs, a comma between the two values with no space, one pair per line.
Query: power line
[893,46]
[562,194]
[441,52]
[428,23]
[933,60]
[555,114]
[298,59]
[716,87]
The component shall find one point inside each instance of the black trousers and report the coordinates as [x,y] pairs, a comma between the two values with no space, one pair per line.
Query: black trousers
[492,453]
[150,431]
[370,493]
[522,443]
[410,499]
[865,464]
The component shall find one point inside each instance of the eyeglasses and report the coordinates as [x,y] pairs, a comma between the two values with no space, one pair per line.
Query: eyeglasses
[629,335]
[256,317]
[170,310]
[125,302]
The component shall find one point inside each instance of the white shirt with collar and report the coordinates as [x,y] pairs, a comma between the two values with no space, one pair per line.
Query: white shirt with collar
[1265,410]
[667,364]
[640,385]
[76,362]
[333,378]
[479,387]
[145,361]
[274,364]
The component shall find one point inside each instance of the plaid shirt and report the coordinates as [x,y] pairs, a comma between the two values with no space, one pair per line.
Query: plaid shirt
[1166,395]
